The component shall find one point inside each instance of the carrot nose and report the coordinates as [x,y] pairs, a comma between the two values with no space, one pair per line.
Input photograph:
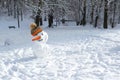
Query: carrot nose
[36,38]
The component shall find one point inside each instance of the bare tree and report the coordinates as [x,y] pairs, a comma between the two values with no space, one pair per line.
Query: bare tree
[105,23]
[114,13]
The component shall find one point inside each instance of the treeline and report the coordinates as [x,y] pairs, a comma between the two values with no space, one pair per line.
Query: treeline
[94,12]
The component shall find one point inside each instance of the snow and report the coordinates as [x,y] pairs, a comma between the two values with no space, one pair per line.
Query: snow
[71,53]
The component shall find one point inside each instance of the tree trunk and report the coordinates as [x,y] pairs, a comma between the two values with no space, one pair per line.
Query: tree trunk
[83,21]
[15,9]
[96,21]
[105,24]
[39,12]
[21,13]
[18,18]
[41,22]
[92,12]
[50,20]
[8,8]
[78,21]
[113,21]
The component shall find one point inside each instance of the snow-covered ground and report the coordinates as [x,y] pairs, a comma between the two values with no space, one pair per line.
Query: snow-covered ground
[71,53]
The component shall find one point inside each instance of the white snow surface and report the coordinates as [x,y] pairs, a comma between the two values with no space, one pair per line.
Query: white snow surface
[71,53]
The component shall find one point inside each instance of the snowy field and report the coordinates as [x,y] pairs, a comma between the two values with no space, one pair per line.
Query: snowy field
[71,53]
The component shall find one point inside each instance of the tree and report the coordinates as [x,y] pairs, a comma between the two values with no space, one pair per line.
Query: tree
[83,21]
[114,13]
[39,12]
[97,12]
[105,23]
[92,11]
[50,20]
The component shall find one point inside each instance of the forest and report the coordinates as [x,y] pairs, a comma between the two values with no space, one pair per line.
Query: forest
[95,12]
